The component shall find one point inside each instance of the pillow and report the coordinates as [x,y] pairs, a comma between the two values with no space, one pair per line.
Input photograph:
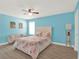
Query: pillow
[46,34]
[39,34]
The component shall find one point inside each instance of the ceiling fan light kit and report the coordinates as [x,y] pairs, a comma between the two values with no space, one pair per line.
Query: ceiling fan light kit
[30,14]
[30,11]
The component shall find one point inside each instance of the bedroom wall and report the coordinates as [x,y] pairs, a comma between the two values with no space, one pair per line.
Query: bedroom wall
[58,23]
[5,29]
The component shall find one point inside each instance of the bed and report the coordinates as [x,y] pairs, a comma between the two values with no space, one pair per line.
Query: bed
[33,45]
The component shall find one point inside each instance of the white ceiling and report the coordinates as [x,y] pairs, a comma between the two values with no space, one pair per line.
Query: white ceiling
[45,7]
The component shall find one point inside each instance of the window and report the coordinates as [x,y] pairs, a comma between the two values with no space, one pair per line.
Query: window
[31,28]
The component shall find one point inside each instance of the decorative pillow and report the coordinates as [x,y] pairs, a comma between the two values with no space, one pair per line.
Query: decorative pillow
[46,34]
[39,34]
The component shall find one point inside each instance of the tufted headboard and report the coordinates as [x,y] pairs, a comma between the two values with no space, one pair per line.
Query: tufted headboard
[42,31]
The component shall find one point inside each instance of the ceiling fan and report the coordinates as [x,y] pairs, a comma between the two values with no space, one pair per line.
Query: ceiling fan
[30,11]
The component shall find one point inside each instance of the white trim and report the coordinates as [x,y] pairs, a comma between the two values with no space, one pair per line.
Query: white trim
[57,43]
[61,44]
[4,43]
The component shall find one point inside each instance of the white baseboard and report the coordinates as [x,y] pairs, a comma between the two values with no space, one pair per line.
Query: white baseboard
[58,43]
[3,43]
[61,44]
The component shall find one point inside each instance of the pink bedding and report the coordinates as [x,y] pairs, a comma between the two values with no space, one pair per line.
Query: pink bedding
[32,45]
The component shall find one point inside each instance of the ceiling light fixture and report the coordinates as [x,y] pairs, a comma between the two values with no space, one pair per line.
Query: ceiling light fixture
[30,14]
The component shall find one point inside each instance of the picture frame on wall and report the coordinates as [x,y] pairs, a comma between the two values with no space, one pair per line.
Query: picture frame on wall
[20,25]
[12,24]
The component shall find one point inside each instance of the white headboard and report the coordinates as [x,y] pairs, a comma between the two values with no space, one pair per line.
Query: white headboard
[44,29]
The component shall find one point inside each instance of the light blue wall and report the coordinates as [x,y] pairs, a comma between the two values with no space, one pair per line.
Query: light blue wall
[5,30]
[58,22]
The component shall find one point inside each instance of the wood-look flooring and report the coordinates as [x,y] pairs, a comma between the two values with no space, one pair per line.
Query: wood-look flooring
[52,52]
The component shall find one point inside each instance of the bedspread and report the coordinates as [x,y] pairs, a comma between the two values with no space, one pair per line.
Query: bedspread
[32,45]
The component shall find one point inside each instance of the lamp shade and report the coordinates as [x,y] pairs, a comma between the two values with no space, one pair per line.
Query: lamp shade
[68,26]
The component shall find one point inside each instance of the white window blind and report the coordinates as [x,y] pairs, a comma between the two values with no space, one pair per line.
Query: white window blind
[31,28]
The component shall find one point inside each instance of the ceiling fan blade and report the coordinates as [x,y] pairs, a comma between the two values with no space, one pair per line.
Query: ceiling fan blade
[24,10]
[29,10]
[35,12]
[24,13]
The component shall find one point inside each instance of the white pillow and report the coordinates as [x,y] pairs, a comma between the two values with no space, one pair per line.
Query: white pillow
[39,34]
[46,34]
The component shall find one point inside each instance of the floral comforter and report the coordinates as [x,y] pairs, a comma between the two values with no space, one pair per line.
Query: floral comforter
[32,45]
